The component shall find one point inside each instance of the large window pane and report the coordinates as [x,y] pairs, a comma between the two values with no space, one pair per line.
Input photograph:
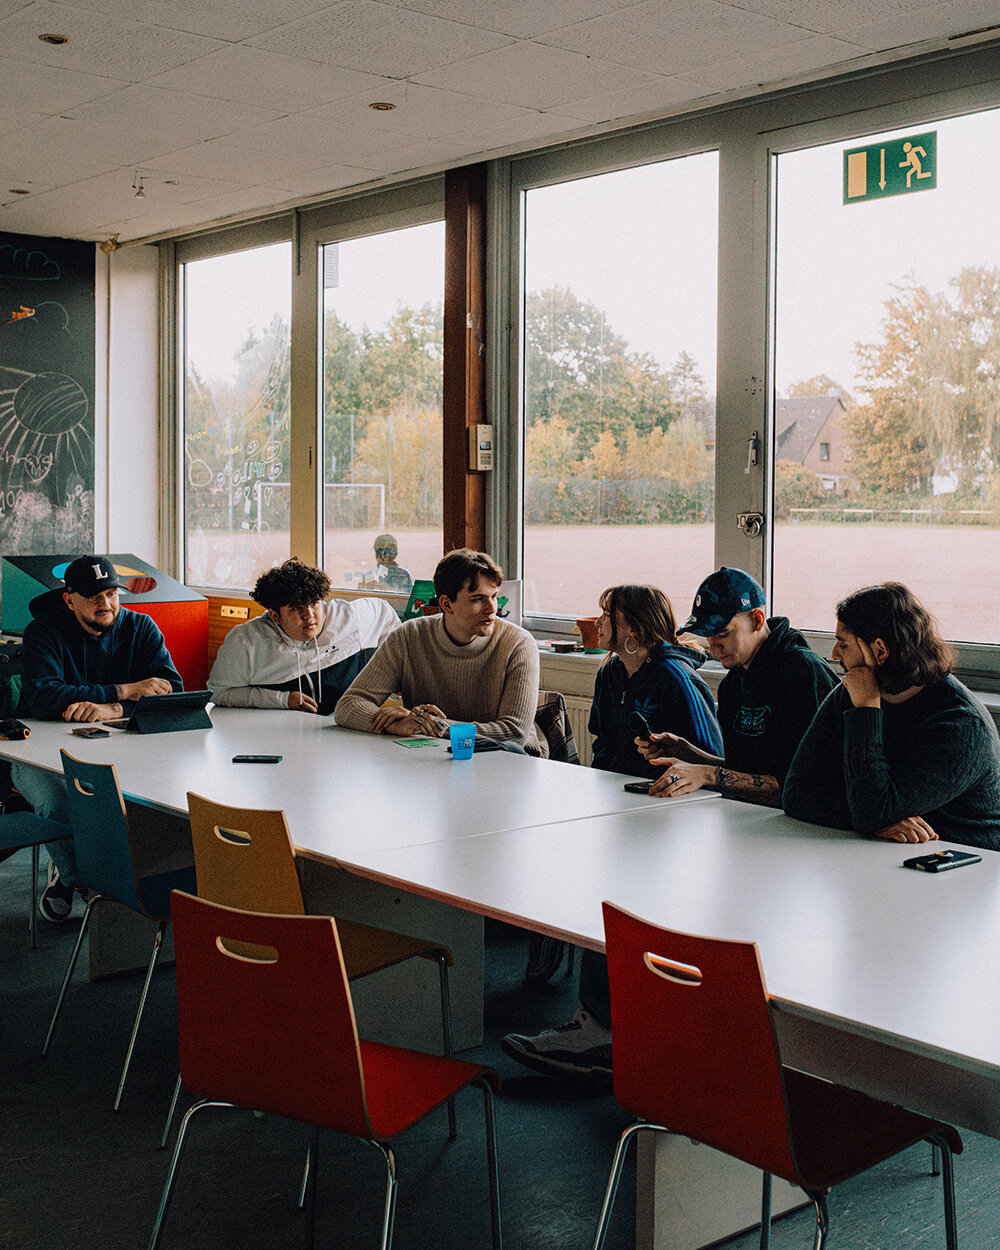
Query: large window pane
[888,382]
[382,358]
[237,310]
[619,383]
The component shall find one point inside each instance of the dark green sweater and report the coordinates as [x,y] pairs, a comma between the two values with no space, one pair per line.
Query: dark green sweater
[936,756]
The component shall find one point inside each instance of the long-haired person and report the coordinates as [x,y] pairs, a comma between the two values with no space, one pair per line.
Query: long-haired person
[650,674]
[900,750]
[647,672]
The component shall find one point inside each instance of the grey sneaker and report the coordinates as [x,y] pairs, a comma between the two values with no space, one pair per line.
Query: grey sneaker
[56,902]
[580,1049]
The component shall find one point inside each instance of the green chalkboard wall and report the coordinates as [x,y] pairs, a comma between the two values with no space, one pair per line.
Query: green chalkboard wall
[46,396]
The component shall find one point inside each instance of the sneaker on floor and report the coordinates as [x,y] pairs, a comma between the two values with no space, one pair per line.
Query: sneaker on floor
[580,1048]
[56,902]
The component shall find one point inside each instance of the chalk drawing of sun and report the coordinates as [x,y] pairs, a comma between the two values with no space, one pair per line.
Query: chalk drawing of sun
[45,434]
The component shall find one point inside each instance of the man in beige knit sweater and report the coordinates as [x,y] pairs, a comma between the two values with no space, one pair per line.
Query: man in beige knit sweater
[464,664]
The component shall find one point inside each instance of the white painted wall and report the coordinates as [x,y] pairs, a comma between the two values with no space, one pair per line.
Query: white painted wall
[127,447]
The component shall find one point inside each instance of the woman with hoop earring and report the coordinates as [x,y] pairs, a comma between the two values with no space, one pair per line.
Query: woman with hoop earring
[649,672]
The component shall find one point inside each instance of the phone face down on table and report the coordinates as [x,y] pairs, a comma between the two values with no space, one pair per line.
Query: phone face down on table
[637,787]
[941,861]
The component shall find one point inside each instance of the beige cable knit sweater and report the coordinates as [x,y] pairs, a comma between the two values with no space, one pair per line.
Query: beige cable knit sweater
[492,681]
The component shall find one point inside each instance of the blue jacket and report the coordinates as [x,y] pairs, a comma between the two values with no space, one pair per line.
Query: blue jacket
[668,691]
[63,664]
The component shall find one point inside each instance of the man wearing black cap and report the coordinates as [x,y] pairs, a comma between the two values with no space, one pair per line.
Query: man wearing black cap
[773,686]
[84,660]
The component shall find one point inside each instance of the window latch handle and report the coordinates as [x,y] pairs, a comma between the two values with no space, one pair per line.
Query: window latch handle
[753,447]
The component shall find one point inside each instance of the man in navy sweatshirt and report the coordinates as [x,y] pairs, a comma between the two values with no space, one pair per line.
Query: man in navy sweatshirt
[84,660]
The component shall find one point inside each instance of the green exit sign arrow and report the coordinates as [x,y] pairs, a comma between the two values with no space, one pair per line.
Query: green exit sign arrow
[895,167]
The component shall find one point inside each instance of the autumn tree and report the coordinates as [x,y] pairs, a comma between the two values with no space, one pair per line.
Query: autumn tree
[934,386]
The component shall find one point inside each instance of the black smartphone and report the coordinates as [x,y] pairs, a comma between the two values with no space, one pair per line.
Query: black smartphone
[637,787]
[639,726]
[941,861]
[257,759]
[91,731]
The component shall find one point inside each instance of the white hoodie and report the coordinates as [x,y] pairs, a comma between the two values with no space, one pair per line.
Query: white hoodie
[258,665]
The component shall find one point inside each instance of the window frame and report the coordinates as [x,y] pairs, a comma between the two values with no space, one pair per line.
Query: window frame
[748,137]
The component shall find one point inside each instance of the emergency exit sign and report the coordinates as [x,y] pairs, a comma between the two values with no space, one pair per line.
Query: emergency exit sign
[894,167]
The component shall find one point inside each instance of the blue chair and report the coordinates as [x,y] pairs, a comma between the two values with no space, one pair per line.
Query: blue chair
[106,867]
[21,829]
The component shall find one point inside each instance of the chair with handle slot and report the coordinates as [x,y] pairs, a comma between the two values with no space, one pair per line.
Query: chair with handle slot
[245,858]
[107,867]
[695,1053]
[274,1031]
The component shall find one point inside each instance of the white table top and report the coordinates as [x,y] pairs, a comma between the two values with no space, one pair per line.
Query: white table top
[347,794]
[846,934]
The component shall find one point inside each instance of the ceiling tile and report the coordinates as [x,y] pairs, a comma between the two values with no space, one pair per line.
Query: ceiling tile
[52,90]
[825,18]
[425,112]
[98,44]
[329,178]
[219,159]
[776,64]
[671,38]
[379,39]
[531,128]
[230,20]
[661,95]
[419,155]
[268,79]
[523,19]
[144,110]
[935,21]
[534,76]
[328,142]
[15,119]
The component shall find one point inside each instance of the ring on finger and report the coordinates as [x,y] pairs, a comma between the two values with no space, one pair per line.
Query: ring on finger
[674,778]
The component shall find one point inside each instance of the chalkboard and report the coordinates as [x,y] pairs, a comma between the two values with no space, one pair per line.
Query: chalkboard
[46,395]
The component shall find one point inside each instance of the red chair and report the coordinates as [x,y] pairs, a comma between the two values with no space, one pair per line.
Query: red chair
[695,1053]
[276,1033]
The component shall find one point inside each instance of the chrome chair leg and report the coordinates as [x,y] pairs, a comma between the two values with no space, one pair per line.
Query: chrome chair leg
[32,921]
[491,1161]
[91,902]
[170,1112]
[442,964]
[765,1211]
[308,1192]
[935,1158]
[822,1220]
[948,1183]
[306,1173]
[168,1187]
[613,1180]
[154,957]
[389,1213]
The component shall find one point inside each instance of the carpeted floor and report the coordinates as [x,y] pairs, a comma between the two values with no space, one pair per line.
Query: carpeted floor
[76,1176]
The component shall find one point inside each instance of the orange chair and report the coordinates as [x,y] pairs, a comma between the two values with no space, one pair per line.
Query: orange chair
[245,858]
[276,1033]
[695,1053]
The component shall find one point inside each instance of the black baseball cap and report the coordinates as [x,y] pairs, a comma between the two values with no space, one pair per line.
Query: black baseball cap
[89,575]
[721,596]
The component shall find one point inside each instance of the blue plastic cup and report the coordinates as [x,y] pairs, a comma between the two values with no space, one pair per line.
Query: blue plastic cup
[463,741]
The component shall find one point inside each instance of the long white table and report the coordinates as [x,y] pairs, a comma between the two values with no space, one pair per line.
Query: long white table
[348,795]
[882,977]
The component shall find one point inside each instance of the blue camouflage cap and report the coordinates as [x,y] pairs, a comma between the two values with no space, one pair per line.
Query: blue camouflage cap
[721,596]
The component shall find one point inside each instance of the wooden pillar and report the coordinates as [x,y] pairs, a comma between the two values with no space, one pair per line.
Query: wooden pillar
[464,503]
